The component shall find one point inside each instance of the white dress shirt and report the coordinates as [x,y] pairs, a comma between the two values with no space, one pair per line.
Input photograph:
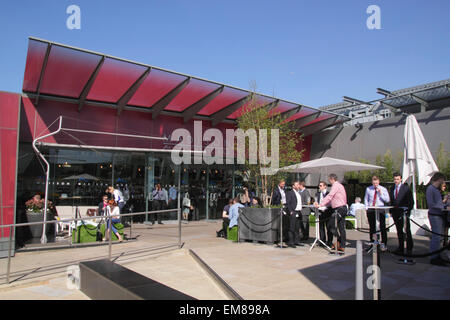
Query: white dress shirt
[299,201]
[283,196]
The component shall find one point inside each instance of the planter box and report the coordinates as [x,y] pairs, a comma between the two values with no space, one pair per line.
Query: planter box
[119,228]
[36,230]
[259,224]
[84,234]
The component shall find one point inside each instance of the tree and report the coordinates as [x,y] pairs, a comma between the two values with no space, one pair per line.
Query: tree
[257,117]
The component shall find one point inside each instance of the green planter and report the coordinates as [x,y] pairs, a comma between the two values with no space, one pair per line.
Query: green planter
[84,234]
[119,228]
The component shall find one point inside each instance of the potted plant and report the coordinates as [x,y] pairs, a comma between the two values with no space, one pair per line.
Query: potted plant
[35,213]
[261,223]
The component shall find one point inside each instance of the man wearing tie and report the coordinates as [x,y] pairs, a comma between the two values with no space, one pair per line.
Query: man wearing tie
[294,212]
[304,222]
[377,196]
[324,215]
[338,200]
[402,197]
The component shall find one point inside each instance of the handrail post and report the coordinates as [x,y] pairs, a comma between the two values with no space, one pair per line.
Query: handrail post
[9,254]
[110,236]
[359,294]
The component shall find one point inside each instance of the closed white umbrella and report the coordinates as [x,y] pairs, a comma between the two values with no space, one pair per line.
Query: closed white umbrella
[417,155]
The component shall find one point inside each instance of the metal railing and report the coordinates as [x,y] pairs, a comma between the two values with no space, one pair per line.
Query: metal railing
[75,220]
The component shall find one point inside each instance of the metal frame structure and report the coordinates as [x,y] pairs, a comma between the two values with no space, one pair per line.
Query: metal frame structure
[219,114]
[398,101]
[47,169]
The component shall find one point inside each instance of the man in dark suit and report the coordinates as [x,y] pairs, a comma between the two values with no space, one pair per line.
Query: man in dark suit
[294,212]
[324,215]
[306,211]
[279,198]
[401,196]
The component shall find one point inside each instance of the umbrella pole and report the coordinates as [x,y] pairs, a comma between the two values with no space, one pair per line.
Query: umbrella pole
[414,186]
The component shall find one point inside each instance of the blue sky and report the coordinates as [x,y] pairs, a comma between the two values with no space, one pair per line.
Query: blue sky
[311,52]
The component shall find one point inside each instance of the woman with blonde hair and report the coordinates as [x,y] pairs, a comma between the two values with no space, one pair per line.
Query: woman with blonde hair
[113,212]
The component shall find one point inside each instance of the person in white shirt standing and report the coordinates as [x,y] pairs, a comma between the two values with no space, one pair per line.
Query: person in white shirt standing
[377,196]
[117,196]
[294,209]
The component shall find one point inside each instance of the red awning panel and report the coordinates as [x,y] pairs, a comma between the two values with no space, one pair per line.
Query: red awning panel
[35,60]
[227,97]
[302,113]
[114,79]
[319,119]
[68,71]
[157,84]
[283,107]
[260,102]
[194,91]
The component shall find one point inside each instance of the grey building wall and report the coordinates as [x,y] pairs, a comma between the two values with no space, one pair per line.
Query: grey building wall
[375,138]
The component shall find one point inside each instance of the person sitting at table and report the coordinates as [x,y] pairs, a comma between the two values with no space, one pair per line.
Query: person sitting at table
[436,217]
[356,206]
[113,211]
[234,218]
[377,196]
[402,197]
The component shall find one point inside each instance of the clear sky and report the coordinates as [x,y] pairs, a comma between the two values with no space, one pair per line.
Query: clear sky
[311,52]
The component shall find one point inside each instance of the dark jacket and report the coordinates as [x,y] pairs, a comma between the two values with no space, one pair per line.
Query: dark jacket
[291,201]
[317,196]
[305,199]
[101,212]
[276,196]
[404,198]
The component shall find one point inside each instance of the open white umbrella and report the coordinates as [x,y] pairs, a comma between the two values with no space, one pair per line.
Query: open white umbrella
[329,165]
[416,156]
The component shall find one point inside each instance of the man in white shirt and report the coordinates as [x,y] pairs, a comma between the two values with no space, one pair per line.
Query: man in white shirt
[294,211]
[377,196]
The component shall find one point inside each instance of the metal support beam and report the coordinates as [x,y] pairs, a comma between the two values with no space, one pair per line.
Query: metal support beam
[159,106]
[307,119]
[272,105]
[41,76]
[131,91]
[88,85]
[353,100]
[221,115]
[289,113]
[192,110]
[423,103]
[319,126]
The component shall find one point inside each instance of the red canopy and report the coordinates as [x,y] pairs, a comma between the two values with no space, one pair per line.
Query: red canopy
[57,71]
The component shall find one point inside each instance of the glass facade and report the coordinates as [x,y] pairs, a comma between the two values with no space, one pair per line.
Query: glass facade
[79,177]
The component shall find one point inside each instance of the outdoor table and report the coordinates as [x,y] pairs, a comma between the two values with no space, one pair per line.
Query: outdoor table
[317,213]
[377,221]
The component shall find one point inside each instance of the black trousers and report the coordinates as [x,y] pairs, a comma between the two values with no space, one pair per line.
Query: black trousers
[397,215]
[304,226]
[294,225]
[157,205]
[286,223]
[336,225]
[324,230]
[371,216]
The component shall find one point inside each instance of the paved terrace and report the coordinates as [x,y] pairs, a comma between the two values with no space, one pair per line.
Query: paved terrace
[255,271]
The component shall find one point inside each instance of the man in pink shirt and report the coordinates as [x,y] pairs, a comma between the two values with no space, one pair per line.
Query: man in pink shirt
[338,199]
